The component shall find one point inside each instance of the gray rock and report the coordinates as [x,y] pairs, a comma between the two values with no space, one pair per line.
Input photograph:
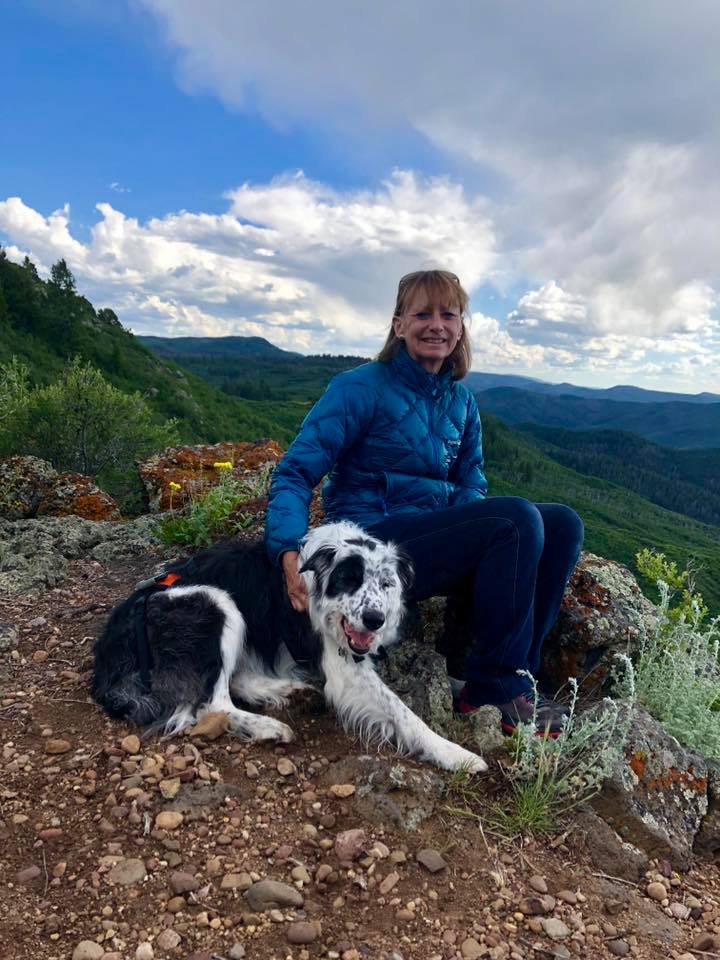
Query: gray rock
[195,801]
[555,928]
[608,852]
[168,940]
[272,894]
[302,931]
[416,672]
[656,797]
[8,636]
[87,950]
[128,872]
[28,874]
[181,882]
[388,792]
[35,552]
[603,613]
[707,841]
[487,733]
[431,860]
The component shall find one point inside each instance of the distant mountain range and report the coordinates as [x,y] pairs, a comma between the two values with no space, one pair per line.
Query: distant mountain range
[488,381]
[686,481]
[681,424]
[178,347]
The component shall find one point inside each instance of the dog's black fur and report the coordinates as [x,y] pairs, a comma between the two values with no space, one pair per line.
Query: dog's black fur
[182,634]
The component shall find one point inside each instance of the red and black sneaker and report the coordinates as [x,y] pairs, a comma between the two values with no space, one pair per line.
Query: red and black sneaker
[547,714]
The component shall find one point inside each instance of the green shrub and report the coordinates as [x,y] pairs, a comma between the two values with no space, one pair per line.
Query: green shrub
[678,674]
[683,601]
[549,777]
[14,394]
[82,423]
[213,514]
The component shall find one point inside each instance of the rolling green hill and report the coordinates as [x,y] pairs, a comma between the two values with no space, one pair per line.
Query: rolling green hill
[251,367]
[44,323]
[618,522]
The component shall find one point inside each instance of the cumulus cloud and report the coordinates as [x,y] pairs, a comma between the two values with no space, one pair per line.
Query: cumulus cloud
[593,131]
[309,267]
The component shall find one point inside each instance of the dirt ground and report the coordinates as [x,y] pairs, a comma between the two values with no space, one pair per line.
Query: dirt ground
[87,870]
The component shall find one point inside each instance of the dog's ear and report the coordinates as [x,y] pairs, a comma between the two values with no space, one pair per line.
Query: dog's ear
[405,569]
[320,561]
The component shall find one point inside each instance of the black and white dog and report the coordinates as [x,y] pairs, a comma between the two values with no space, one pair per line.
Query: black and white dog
[220,624]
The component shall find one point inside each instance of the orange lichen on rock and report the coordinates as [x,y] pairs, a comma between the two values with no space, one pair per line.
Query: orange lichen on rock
[638,764]
[673,777]
[75,495]
[194,468]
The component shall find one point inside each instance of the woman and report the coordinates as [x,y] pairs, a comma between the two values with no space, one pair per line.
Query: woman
[400,440]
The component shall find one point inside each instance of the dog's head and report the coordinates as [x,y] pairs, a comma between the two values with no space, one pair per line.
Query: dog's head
[355,585]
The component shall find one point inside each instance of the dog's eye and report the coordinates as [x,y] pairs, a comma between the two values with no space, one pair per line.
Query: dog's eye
[387,583]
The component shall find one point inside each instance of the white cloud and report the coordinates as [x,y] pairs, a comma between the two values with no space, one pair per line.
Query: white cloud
[330,282]
[328,285]
[593,129]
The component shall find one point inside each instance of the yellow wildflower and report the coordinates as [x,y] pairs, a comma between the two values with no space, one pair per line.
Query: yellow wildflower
[223,465]
[175,486]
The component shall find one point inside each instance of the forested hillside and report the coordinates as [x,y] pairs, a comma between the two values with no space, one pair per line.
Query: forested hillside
[251,367]
[686,481]
[45,323]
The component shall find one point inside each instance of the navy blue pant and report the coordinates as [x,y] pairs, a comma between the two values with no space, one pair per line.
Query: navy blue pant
[516,558]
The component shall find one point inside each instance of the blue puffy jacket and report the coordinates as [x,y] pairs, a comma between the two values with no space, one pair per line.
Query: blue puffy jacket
[393,439]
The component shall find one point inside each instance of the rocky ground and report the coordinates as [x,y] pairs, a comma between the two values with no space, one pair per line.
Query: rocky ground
[114,847]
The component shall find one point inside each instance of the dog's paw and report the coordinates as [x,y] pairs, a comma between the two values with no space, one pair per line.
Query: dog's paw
[465,760]
[271,729]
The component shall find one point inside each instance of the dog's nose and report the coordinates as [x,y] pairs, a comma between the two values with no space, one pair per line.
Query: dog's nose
[373,619]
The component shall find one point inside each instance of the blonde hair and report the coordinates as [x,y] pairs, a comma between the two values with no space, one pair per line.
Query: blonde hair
[446,287]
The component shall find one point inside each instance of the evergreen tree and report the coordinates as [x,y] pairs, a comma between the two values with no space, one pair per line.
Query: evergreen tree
[62,278]
[62,307]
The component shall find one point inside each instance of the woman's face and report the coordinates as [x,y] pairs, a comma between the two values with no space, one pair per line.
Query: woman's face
[430,328]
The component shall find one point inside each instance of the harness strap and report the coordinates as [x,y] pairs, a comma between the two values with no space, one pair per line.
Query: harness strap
[142,647]
[139,617]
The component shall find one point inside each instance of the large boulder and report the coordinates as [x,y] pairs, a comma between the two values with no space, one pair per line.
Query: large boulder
[193,468]
[657,796]
[603,613]
[31,487]
[75,495]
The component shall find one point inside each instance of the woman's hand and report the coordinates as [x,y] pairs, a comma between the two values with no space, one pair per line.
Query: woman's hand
[294,582]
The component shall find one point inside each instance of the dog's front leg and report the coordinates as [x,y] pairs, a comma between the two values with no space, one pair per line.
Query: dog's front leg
[369,708]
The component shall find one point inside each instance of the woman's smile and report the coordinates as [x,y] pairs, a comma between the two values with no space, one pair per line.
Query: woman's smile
[430,329]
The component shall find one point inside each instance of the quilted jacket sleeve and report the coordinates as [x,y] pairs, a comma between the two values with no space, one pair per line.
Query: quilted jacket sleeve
[337,420]
[467,471]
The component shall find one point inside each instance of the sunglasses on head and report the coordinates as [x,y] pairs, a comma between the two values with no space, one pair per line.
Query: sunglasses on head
[416,274]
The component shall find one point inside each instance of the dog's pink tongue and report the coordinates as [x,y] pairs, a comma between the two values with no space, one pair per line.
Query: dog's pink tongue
[361,640]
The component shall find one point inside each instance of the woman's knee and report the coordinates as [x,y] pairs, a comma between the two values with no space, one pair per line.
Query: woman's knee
[562,525]
[525,517]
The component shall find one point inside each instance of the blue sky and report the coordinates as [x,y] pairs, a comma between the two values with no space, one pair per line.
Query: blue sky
[273,168]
